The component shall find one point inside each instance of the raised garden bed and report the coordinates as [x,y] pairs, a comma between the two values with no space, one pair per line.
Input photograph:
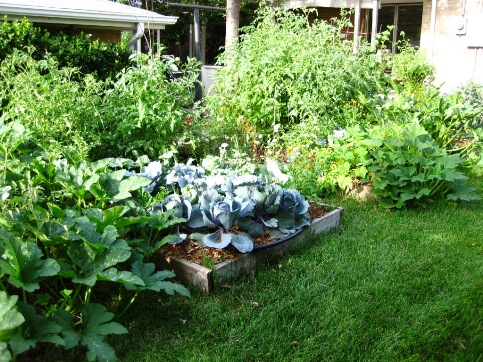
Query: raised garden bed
[208,279]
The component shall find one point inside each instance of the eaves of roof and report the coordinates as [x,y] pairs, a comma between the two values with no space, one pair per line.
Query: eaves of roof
[98,13]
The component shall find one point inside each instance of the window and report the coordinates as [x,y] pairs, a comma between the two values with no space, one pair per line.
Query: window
[404,18]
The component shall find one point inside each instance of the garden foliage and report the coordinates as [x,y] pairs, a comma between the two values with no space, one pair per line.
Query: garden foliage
[73,219]
[66,230]
[140,112]
[82,207]
[411,68]
[143,112]
[286,76]
[80,51]
[221,210]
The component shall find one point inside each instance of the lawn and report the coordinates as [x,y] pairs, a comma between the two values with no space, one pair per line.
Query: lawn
[387,285]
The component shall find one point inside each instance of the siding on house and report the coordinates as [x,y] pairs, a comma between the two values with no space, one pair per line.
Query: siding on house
[458,58]
[103,35]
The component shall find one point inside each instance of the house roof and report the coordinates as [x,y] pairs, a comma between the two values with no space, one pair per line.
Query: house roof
[98,13]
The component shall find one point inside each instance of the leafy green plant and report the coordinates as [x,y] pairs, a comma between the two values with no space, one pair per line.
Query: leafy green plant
[450,120]
[285,73]
[90,225]
[59,113]
[337,164]
[473,94]
[143,112]
[410,168]
[452,123]
[411,68]
[90,56]
[10,319]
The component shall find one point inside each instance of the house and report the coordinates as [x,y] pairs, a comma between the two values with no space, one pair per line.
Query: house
[449,32]
[103,19]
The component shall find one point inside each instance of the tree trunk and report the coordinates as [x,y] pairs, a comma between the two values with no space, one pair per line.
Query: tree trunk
[232,21]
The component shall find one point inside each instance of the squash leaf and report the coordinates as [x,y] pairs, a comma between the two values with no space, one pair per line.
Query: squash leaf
[90,333]
[155,280]
[36,328]
[24,262]
[10,318]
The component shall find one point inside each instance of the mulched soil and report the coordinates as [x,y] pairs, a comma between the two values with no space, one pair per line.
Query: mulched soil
[190,250]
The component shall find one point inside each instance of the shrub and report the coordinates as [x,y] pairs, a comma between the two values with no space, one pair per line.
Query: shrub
[410,168]
[80,51]
[411,68]
[60,112]
[473,94]
[402,162]
[285,73]
[143,112]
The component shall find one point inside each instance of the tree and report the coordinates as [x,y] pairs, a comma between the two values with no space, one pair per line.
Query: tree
[232,21]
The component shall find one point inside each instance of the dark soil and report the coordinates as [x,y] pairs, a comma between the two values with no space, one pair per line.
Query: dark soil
[190,250]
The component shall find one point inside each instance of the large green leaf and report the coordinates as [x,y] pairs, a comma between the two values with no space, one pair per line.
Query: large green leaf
[461,191]
[5,354]
[133,183]
[96,325]
[155,280]
[163,220]
[24,262]
[91,331]
[243,242]
[69,332]
[90,263]
[36,328]
[10,318]
[96,252]
[111,216]
[120,276]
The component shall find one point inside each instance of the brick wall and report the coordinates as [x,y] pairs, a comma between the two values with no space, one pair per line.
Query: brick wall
[456,58]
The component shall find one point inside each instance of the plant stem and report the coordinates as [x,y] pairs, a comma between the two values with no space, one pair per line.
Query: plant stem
[75,296]
[129,304]
[87,298]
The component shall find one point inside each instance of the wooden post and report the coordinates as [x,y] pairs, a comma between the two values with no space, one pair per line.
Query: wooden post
[357,24]
[375,16]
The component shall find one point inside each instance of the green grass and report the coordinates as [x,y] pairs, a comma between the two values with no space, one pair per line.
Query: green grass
[387,286]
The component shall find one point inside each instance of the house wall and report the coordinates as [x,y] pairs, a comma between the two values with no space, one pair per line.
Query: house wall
[104,35]
[457,55]
[327,14]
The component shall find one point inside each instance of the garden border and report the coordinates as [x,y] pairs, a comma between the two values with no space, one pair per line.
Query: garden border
[207,280]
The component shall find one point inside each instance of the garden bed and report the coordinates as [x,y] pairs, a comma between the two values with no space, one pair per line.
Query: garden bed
[207,278]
